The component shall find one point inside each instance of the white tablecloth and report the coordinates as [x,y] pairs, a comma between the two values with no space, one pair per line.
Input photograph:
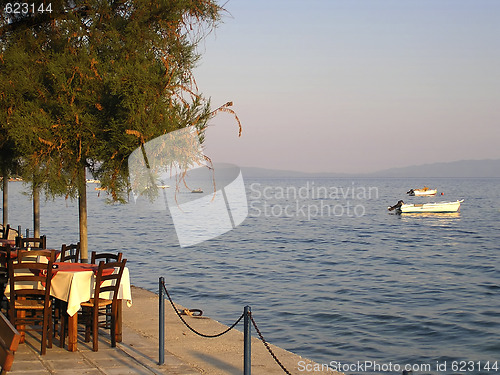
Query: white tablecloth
[76,287]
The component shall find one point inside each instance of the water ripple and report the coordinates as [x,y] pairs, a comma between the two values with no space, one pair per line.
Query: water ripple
[377,287]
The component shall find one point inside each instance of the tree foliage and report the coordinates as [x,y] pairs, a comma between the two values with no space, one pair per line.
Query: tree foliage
[86,84]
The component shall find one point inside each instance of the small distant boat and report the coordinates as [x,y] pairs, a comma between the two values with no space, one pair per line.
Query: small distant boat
[424,192]
[163,186]
[439,207]
[197,191]
[91,181]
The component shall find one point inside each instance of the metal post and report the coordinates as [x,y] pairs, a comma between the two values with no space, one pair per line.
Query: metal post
[247,351]
[161,317]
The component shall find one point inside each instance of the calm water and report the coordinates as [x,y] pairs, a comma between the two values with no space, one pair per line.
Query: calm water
[328,276]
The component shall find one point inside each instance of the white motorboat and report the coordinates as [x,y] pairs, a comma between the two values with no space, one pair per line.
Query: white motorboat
[440,207]
[424,192]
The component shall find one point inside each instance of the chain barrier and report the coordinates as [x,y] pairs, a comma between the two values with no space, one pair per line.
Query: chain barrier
[268,347]
[192,329]
[227,330]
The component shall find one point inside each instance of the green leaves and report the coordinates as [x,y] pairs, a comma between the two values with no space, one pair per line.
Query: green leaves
[73,82]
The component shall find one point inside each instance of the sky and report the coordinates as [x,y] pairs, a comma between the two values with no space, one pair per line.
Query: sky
[353,86]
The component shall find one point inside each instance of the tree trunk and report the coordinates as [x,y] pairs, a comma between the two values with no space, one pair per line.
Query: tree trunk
[36,212]
[82,211]
[5,199]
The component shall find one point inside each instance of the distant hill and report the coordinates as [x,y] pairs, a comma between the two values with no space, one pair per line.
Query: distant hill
[253,172]
[464,168]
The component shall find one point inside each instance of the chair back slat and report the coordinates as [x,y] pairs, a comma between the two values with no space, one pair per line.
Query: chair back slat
[114,278]
[34,242]
[107,257]
[24,256]
[70,253]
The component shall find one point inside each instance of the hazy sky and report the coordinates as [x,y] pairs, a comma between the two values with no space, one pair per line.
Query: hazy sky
[354,86]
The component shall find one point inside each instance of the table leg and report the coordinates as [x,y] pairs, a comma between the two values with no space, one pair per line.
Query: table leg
[72,332]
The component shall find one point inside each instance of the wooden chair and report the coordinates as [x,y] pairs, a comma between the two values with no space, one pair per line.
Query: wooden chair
[70,253]
[9,341]
[4,278]
[43,256]
[31,308]
[33,242]
[109,283]
[107,257]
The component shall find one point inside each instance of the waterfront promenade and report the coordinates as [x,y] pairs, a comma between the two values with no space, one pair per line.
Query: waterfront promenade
[186,353]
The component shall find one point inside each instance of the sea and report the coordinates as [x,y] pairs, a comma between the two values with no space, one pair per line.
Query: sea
[329,273]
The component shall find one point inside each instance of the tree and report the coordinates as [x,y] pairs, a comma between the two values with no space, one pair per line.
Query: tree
[86,84]
[8,166]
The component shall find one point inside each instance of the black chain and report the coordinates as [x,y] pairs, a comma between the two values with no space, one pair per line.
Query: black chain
[192,329]
[267,346]
[227,330]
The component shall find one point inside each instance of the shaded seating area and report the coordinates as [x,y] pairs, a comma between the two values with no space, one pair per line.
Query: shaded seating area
[44,289]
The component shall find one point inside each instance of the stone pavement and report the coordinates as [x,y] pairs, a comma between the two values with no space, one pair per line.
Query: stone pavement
[136,355]
[185,354]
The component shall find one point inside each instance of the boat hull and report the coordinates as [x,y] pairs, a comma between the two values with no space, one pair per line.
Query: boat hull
[422,192]
[426,193]
[440,207]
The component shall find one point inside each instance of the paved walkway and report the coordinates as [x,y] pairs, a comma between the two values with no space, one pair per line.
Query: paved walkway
[186,353]
[136,355]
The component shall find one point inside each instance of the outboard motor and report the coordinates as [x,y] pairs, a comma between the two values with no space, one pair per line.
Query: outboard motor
[396,206]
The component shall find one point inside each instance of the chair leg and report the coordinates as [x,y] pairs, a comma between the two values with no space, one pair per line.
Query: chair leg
[87,320]
[50,331]
[95,329]
[113,325]
[45,324]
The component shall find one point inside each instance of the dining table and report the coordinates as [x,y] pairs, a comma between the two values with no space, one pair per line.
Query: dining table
[74,283]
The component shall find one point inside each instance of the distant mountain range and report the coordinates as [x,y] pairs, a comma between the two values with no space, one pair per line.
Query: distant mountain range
[464,168]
